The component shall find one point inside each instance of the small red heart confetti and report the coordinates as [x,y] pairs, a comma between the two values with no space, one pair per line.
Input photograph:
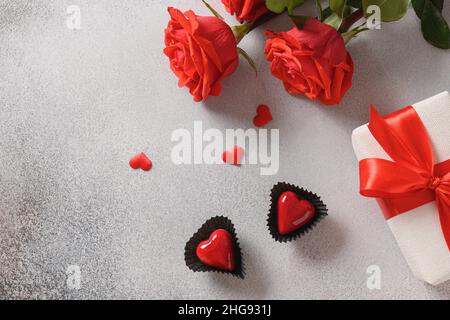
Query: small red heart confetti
[233,157]
[263,116]
[141,161]
[217,251]
[293,213]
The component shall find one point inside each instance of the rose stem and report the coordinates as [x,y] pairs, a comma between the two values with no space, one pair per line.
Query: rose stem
[263,19]
[350,20]
[346,24]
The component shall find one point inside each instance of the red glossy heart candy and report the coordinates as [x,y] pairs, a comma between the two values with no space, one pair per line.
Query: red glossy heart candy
[234,156]
[217,251]
[141,161]
[263,116]
[293,213]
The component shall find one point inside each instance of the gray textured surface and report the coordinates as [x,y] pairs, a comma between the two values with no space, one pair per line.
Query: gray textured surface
[75,105]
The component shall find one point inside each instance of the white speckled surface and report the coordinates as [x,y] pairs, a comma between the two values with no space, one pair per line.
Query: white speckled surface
[76,105]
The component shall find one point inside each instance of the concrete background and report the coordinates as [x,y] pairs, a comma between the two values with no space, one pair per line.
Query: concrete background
[76,105]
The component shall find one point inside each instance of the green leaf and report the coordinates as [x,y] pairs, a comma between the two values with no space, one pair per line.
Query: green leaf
[319,10]
[339,11]
[439,4]
[418,6]
[299,21]
[293,4]
[391,10]
[275,6]
[434,27]
[347,11]
[278,6]
[248,59]
[334,20]
[326,13]
[355,3]
[338,7]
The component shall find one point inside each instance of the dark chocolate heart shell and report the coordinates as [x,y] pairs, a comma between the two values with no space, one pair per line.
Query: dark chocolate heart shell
[211,225]
[321,211]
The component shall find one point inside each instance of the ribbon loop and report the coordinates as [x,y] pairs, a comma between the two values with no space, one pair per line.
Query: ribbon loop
[411,179]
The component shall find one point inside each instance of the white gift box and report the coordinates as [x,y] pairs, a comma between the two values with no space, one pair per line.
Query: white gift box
[418,232]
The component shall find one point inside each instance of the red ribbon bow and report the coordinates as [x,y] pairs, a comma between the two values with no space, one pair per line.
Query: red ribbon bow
[411,179]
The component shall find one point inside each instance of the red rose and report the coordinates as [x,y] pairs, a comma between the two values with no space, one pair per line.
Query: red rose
[246,10]
[312,61]
[202,51]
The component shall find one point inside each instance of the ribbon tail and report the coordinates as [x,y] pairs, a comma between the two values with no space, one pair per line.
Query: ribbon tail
[443,203]
[382,178]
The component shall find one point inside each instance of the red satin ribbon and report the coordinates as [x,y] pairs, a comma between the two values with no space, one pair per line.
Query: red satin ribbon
[411,179]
